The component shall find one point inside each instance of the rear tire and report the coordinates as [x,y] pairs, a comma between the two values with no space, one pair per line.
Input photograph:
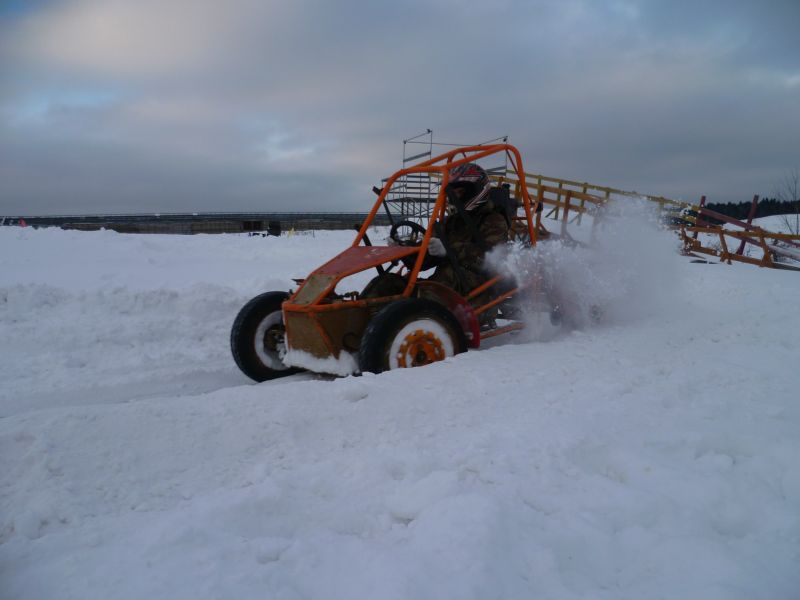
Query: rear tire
[258,338]
[410,333]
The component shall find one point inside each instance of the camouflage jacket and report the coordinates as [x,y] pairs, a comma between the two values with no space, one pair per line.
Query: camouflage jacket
[492,229]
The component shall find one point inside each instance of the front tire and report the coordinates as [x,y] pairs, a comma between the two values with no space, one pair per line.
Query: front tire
[258,338]
[410,333]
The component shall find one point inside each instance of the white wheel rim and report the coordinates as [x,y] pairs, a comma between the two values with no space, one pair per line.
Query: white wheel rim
[415,335]
[271,359]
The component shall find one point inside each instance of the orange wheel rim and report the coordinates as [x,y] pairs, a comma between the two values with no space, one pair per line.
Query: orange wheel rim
[419,348]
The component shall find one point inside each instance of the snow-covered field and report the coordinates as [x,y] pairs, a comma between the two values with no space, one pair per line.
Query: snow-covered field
[778,223]
[654,455]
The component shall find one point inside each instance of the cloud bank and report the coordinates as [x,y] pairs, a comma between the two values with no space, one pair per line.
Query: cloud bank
[253,105]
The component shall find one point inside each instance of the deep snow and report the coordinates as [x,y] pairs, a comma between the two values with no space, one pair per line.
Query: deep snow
[651,456]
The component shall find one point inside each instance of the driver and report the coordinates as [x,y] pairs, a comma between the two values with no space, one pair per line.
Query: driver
[473,227]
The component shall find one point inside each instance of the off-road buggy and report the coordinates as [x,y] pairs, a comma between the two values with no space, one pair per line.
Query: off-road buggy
[419,322]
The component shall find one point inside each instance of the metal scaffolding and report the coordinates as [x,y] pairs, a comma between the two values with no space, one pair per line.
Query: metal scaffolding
[412,196]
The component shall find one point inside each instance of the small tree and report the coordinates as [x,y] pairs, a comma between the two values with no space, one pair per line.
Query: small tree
[789,191]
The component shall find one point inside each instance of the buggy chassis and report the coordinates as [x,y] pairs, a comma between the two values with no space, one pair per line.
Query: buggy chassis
[318,329]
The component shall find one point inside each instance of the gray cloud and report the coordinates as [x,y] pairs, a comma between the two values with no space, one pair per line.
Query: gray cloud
[280,106]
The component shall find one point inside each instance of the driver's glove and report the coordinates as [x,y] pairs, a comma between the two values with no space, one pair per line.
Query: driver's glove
[436,247]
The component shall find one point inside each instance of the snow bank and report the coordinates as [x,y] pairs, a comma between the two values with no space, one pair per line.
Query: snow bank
[133,315]
[344,365]
[646,457]
[779,223]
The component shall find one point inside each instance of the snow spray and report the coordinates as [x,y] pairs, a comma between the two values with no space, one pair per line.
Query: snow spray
[628,271]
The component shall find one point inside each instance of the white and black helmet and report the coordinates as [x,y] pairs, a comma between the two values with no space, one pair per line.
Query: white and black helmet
[475,182]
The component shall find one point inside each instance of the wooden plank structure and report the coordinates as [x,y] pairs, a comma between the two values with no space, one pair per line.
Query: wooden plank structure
[703,232]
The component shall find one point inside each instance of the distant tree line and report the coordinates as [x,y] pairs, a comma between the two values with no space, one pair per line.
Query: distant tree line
[766,208]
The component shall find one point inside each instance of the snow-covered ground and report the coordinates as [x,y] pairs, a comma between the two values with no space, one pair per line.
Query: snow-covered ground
[778,223]
[654,455]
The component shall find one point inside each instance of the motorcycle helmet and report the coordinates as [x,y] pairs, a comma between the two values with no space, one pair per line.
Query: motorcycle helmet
[475,183]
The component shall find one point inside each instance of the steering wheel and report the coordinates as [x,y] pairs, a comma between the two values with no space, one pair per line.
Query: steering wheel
[407,233]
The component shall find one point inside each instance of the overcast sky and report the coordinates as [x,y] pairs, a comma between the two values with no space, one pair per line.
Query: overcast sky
[195,105]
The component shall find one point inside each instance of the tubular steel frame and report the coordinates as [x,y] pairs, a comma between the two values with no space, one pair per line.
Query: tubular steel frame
[312,300]
[442,165]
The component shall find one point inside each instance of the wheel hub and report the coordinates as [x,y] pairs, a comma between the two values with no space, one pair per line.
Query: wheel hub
[419,348]
[274,340]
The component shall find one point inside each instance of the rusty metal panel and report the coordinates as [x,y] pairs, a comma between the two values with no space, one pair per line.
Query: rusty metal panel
[312,287]
[302,333]
[327,333]
[344,327]
[358,258]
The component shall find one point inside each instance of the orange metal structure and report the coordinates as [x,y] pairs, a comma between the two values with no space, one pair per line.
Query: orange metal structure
[323,324]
